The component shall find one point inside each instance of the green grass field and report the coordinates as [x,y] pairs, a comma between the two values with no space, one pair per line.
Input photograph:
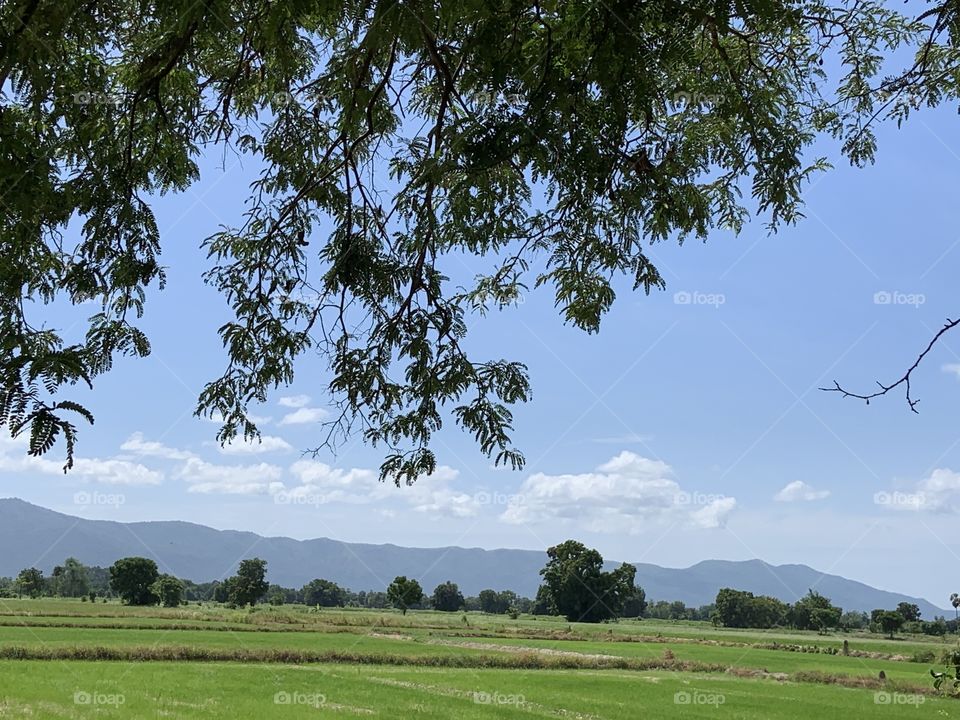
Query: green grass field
[67,659]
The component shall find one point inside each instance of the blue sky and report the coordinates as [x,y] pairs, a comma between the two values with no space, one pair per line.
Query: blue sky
[690,428]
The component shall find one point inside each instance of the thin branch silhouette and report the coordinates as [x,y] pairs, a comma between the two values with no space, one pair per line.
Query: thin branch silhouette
[905,380]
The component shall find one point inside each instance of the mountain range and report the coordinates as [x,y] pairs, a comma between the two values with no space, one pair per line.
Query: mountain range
[32,536]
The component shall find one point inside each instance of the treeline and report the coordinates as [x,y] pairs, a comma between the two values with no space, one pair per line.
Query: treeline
[138,581]
[403,593]
[72,579]
[574,586]
[742,609]
[76,580]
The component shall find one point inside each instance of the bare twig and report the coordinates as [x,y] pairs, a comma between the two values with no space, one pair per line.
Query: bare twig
[905,380]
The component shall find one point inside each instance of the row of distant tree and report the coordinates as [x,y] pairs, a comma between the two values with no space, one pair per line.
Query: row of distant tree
[138,581]
[574,586]
[742,609]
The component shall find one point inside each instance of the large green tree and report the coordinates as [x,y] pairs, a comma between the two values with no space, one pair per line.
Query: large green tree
[635,605]
[544,603]
[739,608]
[578,586]
[404,593]
[498,603]
[815,612]
[325,593]
[70,579]
[889,621]
[30,581]
[249,584]
[447,597]
[132,578]
[854,620]
[168,590]
[733,607]
[556,141]
[910,611]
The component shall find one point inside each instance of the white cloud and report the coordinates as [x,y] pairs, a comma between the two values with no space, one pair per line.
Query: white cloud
[714,513]
[623,495]
[207,477]
[940,492]
[151,448]
[952,368]
[13,444]
[446,502]
[320,484]
[304,415]
[109,471]
[114,472]
[433,495]
[329,484]
[799,491]
[265,444]
[326,484]
[294,401]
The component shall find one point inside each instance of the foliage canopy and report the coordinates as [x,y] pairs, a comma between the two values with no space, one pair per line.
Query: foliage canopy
[553,141]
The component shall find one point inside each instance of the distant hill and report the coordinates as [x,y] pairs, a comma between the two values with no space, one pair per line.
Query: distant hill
[698,585]
[34,536]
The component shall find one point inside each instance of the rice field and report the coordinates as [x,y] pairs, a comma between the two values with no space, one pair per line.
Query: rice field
[67,659]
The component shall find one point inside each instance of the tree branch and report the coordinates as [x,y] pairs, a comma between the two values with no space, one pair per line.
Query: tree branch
[905,380]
